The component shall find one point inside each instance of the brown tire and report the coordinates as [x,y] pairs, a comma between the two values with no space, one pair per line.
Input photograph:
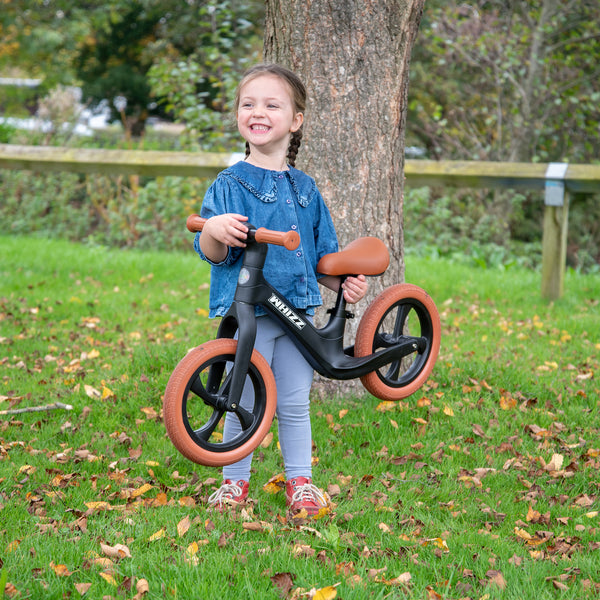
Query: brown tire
[399,311]
[190,406]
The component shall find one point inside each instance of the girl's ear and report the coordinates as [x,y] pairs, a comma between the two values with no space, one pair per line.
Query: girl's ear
[297,122]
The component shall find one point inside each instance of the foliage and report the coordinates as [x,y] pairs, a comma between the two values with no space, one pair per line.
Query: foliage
[113,64]
[39,38]
[116,62]
[116,211]
[516,81]
[197,89]
[109,46]
[458,225]
[6,133]
[481,485]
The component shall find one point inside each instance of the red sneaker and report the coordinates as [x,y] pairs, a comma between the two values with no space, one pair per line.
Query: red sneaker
[301,494]
[229,494]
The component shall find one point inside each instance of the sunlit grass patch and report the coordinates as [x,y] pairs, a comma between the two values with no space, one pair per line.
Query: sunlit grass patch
[482,484]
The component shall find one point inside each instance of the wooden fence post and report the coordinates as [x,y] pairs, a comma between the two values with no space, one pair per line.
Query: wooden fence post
[556,226]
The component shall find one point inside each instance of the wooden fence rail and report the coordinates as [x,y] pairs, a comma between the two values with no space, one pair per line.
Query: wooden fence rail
[557,180]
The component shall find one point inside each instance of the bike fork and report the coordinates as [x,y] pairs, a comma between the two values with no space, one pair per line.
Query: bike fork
[241,318]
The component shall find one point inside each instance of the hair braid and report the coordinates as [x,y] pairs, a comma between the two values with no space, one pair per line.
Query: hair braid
[295,142]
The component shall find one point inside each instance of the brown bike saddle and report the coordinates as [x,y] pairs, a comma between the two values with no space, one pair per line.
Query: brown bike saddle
[363,256]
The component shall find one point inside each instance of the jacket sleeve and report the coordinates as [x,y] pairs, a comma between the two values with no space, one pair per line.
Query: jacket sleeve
[217,201]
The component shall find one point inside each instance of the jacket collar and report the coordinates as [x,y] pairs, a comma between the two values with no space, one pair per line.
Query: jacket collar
[262,183]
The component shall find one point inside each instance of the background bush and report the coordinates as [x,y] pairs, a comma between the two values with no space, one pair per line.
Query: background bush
[465,226]
[149,213]
[94,209]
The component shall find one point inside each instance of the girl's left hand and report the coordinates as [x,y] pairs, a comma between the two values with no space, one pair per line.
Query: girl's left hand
[355,288]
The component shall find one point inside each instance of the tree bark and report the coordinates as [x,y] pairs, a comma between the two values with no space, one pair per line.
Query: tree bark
[353,57]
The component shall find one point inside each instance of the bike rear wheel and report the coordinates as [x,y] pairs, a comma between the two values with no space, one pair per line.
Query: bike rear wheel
[400,312]
[193,404]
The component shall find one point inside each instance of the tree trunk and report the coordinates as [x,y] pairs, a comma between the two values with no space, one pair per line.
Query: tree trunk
[353,57]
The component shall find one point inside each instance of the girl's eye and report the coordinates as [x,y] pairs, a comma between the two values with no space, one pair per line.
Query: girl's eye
[273,106]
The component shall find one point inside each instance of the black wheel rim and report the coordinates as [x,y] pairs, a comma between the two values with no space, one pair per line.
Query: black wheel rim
[406,319]
[204,420]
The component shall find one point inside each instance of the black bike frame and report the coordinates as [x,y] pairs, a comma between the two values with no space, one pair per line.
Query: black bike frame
[322,347]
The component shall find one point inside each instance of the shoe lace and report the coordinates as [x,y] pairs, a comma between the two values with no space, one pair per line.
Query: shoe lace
[228,491]
[308,492]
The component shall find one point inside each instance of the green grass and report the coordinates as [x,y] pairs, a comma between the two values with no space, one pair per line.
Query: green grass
[454,486]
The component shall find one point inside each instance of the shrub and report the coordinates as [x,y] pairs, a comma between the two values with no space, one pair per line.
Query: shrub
[114,211]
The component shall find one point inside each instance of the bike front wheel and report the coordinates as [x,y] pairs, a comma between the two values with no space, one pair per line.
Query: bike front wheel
[400,312]
[194,398]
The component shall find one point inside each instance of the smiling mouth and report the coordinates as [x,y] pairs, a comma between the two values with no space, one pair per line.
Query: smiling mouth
[259,128]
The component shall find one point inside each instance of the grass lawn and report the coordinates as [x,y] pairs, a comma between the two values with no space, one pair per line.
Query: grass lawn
[482,485]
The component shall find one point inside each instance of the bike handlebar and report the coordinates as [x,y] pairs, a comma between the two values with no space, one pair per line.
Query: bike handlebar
[288,239]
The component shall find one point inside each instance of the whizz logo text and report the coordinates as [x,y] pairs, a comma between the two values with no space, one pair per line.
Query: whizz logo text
[287,312]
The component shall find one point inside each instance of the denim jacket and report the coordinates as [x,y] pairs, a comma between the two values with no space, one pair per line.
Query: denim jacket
[280,200]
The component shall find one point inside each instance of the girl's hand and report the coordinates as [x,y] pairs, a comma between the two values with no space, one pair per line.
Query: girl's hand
[355,288]
[222,231]
[229,229]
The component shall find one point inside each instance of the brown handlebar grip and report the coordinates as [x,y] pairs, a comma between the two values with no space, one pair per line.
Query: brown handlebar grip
[195,223]
[288,239]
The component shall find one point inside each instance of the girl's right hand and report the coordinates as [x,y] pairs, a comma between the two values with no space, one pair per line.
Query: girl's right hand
[222,231]
[228,228]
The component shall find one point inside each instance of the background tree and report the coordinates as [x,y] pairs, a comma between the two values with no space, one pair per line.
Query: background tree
[202,61]
[354,58]
[182,51]
[195,50]
[508,80]
[356,78]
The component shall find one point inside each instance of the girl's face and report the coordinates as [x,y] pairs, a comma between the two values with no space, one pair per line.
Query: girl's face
[266,116]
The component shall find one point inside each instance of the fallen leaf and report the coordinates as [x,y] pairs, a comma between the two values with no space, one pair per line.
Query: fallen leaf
[403,579]
[183,526]
[141,490]
[303,550]
[141,587]
[109,577]
[275,484]
[92,392]
[192,549]
[478,430]
[326,593]
[384,528]
[283,582]
[60,570]
[496,578]
[524,535]
[82,588]
[268,439]
[150,412]
[559,585]
[117,551]
[158,535]
[432,594]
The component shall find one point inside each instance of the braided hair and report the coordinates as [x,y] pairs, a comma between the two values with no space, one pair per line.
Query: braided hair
[295,142]
[298,94]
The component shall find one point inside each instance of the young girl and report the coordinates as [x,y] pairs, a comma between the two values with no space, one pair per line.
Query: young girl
[266,190]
